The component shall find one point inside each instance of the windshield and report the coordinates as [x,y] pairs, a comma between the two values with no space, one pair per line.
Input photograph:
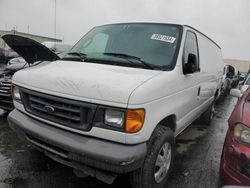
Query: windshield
[154,44]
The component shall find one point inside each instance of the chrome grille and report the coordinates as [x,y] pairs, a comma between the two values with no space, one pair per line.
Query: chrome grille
[5,87]
[66,112]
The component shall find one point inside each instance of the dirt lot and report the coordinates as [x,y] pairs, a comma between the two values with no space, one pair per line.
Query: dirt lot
[196,163]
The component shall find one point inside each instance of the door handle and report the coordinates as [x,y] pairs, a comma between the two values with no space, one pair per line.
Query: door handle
[199,91]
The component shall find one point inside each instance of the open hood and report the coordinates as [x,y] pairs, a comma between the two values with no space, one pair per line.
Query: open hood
[29,49]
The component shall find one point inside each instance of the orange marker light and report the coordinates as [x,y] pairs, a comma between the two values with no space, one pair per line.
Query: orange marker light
[134,120]
[237,132]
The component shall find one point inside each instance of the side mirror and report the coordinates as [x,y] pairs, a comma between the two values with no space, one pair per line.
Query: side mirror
[191,65]
[235,93]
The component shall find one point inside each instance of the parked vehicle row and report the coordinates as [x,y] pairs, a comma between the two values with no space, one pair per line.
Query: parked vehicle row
[227,80]
[231,79]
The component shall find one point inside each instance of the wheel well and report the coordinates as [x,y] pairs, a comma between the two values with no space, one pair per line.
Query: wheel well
[169,121]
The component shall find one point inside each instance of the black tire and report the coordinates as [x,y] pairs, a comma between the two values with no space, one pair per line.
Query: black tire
[221,97]
[144,177]
[207,116]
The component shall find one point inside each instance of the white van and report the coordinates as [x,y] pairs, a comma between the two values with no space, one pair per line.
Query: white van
[115,103]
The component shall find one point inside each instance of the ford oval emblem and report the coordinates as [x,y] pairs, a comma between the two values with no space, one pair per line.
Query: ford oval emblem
[49,109]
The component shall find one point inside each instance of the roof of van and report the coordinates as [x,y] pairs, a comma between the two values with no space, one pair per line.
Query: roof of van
[203,35]
[167,24]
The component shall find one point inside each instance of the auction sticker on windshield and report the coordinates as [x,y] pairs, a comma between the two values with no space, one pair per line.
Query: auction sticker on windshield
[163,38]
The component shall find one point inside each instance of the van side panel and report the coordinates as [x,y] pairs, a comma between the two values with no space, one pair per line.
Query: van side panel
[211,67]
[210,56]
[178,94]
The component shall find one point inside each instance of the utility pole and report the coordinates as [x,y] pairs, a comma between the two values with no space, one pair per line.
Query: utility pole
[55,23]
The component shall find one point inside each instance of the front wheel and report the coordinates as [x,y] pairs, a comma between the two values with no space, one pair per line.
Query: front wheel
[158,162]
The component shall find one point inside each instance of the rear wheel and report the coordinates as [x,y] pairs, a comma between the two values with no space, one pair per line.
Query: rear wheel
[208,115]
[158,162]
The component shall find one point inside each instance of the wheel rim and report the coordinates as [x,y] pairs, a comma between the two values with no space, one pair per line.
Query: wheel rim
[163,162]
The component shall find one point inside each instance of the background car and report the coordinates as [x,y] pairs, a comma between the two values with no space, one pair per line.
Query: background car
[19,63]
[10,54]
[245,85]
[242,78]
[2,55]
[235,160]
[227,79]
[16,60]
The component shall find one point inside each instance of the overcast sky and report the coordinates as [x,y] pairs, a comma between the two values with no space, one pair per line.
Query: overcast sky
[225,21]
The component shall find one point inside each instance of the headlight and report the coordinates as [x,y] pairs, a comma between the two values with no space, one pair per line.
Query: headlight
[134,120]
[129,121]
[114,118]
[242,133]
[16,93]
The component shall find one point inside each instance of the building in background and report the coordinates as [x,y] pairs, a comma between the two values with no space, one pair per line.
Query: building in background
[37,38]
[240,65]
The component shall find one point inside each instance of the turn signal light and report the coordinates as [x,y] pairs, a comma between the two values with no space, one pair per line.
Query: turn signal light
[134,120]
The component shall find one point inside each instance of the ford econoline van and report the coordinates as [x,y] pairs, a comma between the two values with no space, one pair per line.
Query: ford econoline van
[115,103]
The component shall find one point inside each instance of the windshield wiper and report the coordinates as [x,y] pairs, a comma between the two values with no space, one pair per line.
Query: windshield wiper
[127,57]
[78,55]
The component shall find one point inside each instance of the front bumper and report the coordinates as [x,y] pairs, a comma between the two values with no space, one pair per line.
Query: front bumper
[235,163]
[76,150]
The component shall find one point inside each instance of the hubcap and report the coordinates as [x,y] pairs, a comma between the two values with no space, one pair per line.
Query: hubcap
[163,162]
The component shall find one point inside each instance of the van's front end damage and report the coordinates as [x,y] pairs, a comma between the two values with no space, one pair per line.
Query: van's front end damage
[96,157]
